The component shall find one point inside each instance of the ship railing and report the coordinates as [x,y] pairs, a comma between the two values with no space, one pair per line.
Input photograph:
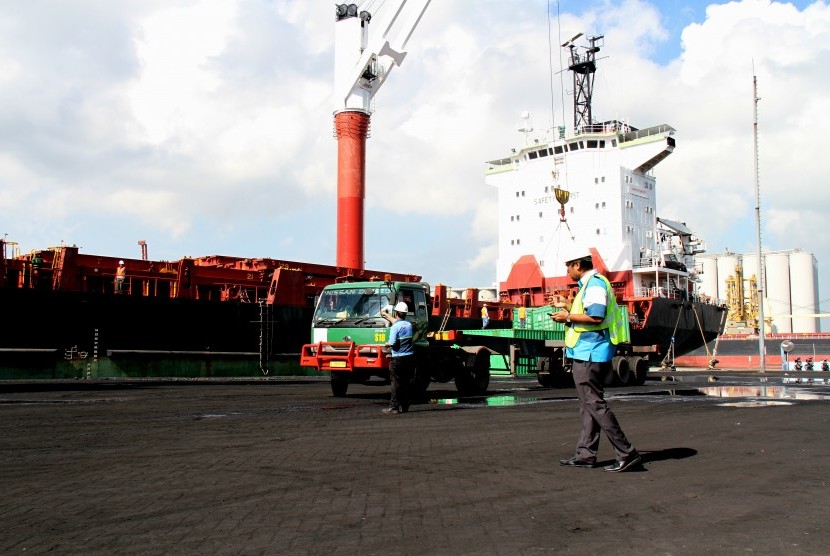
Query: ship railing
[660,291]
[647,132]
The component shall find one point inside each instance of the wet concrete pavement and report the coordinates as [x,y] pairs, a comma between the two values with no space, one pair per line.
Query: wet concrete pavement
[281,467]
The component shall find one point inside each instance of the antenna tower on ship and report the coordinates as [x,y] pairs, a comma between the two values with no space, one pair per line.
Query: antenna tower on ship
[583,67]
[361,66]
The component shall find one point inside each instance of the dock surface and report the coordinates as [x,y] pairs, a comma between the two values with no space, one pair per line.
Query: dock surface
[282,467]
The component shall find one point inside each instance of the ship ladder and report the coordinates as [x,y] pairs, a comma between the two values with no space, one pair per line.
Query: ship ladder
[446,319]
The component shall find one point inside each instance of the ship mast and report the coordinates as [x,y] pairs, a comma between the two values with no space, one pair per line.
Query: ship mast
[761,323]
[583,67]
[361,66]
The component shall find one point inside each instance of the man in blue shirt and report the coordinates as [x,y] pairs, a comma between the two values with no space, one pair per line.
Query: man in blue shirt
[402,362]
[588,343]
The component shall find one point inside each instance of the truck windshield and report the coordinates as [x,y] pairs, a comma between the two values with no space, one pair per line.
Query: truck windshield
[352,303]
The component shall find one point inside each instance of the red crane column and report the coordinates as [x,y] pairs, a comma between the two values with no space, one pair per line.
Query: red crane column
[352,129]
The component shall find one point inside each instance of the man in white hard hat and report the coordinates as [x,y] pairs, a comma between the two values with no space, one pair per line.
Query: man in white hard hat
[120,275]
[589,344]
[402,362]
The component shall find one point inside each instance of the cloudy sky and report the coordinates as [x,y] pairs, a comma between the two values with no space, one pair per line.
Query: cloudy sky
[205,126]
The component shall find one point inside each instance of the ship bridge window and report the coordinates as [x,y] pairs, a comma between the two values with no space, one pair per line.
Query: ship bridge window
[543,152]
[602,144]
[523,193]
[532,154]
[573,146]
[558,150]
[613,142]
[592,144]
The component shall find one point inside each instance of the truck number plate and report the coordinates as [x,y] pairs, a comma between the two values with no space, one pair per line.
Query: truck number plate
[338,364]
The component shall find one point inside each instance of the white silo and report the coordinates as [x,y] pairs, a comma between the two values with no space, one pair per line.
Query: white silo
[709,276]
[750,264]
[804,290]
[778,291]
[726,264]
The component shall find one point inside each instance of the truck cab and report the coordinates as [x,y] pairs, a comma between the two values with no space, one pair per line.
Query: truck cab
[349,330]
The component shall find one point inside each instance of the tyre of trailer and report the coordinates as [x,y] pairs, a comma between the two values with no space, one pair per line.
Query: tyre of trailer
[610,377]
[551,374]
[621,370]
[473,377]
[639,369]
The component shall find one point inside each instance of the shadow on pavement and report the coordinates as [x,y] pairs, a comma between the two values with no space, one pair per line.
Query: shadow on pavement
[669,453]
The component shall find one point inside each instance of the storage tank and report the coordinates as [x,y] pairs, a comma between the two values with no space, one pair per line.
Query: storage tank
[804,290]
[726,267]
[750,264]
[778,291]
[709,277]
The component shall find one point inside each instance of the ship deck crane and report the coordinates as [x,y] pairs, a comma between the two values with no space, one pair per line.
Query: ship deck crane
[362,65]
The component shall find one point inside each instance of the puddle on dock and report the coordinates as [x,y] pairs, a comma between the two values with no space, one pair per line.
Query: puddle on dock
[488,401]
[758,395]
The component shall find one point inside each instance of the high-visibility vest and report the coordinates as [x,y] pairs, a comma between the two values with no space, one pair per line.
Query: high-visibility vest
[616,317]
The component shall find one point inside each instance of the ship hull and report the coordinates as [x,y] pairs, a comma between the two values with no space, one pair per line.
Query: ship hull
[743,352]
[684,324]
[55,334]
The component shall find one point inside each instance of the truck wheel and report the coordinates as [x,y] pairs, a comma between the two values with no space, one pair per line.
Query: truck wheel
[639,370]
[474,376]
[339,384]
[421,381]
[622,370]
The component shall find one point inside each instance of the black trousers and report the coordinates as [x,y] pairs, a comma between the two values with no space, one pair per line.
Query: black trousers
[594,412]
[401,373]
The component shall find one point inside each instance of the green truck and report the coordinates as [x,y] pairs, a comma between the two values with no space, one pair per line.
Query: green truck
[349,335]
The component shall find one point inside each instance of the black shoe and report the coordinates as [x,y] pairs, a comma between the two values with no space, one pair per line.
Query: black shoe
[576,462]
[623,464]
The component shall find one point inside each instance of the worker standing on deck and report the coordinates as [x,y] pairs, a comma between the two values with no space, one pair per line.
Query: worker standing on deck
[402,363]
[120,275]
[485,316]
[589,336]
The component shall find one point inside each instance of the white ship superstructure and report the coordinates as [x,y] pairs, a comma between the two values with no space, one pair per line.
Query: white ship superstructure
[607,171]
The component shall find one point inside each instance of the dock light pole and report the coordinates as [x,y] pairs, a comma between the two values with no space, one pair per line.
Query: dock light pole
[761,323]
[361,66]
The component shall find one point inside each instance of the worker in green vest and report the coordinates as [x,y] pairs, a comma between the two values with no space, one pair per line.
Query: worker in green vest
[591,335]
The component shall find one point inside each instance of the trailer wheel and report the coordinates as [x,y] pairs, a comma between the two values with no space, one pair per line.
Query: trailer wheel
[610,377]
[639,370]
[339,384]
[543,372]
[622,370]
[551,374]
[473,377]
